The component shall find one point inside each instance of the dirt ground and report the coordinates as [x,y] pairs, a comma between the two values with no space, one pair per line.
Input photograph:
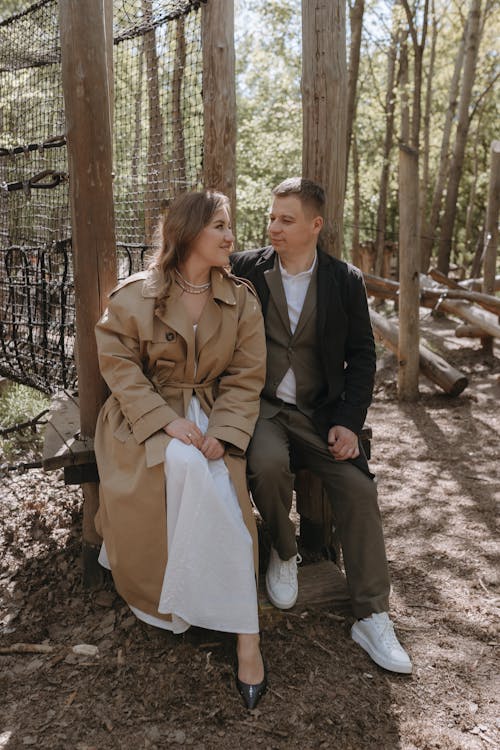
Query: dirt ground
[437,463]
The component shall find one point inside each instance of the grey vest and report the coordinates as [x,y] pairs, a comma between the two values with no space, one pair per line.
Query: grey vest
[298,351]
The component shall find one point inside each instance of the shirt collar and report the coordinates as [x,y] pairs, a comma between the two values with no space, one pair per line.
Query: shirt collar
[303,274]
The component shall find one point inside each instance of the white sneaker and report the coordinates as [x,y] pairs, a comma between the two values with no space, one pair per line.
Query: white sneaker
[281,580]
[376,635]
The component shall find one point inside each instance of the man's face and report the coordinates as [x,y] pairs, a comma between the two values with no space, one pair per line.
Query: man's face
[292,230]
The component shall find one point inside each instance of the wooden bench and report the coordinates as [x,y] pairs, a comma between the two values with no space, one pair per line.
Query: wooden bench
[320,583]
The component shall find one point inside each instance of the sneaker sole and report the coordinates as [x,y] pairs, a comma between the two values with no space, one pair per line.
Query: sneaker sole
[365,644]
[278,604]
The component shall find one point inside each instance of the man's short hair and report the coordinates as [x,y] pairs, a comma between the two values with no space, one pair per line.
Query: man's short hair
[310,194]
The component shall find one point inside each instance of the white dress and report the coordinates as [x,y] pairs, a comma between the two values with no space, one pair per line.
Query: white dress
[209,578]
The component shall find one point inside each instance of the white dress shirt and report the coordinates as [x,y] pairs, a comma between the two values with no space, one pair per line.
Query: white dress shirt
[295,286]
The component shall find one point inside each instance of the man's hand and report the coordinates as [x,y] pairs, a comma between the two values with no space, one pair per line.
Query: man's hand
[342,443]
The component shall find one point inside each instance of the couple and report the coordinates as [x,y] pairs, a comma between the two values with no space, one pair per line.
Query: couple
[182,347]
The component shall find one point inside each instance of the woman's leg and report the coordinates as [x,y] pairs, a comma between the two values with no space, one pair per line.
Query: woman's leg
[250,664]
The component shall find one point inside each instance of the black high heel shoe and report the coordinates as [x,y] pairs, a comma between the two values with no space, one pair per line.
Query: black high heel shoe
[251,694]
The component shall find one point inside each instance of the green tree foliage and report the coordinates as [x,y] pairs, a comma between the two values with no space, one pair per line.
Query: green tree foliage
[268,55]
[268,62]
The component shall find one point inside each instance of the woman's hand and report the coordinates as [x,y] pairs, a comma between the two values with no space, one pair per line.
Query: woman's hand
[212,448]
[186,431]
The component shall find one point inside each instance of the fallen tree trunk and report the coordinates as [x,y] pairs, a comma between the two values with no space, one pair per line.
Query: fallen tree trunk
[480,318]
[488,301]
[435,298]
[476,285]
[465,331]
[432,365]
[385,288]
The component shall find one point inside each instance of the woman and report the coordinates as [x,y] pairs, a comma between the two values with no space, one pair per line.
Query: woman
[182,349]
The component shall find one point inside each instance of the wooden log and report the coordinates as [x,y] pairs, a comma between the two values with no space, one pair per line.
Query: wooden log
[86,73]
[487,301]
[434,297]
[480,318]
[219,99]
[388,289]
[476,285]
[464,331]
[432,365]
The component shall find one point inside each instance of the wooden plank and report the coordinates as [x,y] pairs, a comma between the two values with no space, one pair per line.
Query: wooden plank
[321,584]
[63,445]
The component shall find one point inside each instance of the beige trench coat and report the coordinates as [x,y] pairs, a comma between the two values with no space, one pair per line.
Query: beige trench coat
[148,361]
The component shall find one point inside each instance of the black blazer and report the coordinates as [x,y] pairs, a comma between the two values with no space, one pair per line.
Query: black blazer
[344,335]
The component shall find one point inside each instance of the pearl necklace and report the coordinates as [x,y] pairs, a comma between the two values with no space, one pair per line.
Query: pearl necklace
[186,286]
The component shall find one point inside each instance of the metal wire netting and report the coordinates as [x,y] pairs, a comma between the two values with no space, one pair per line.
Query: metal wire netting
[158,137]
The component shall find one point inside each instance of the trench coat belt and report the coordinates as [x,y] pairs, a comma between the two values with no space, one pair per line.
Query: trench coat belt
[186,389]
[193,386]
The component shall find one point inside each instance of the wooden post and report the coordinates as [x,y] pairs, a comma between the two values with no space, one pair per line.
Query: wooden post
[324,110]
[491,232]
[219,99]
[86,74]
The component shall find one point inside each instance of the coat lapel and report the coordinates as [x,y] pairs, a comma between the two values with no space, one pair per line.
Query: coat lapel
[309,306]
[175,317]
[275,285]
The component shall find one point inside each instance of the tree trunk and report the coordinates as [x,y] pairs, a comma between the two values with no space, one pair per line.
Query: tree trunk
[356,12]
[432,365]
[219,99]
[418,57]
[430,226]
[473,190]
[408,352]
[425,180]
[470,62]
[390,103]
[324,102]
[491,232]
[355,250]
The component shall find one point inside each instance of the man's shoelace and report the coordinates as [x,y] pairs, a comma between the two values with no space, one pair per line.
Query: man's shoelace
[288,569]
[386,630]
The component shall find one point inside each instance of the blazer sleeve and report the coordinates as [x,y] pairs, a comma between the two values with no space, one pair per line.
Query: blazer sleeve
[236,407]
[119,350]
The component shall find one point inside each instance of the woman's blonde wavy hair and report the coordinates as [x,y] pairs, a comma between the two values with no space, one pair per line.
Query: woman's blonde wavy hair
[180,224]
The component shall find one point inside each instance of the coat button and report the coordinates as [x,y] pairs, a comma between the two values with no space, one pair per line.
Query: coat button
[170,336]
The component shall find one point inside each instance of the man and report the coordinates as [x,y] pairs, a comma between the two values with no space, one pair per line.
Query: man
[319,383]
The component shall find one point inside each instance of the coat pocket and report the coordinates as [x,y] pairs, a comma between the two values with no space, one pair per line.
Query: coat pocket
[123,431]
[162,371]
[165,365]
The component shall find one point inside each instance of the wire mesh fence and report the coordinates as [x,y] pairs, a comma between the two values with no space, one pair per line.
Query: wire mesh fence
[158,138]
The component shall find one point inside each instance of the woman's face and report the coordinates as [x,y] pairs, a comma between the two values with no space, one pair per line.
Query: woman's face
[214,244]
